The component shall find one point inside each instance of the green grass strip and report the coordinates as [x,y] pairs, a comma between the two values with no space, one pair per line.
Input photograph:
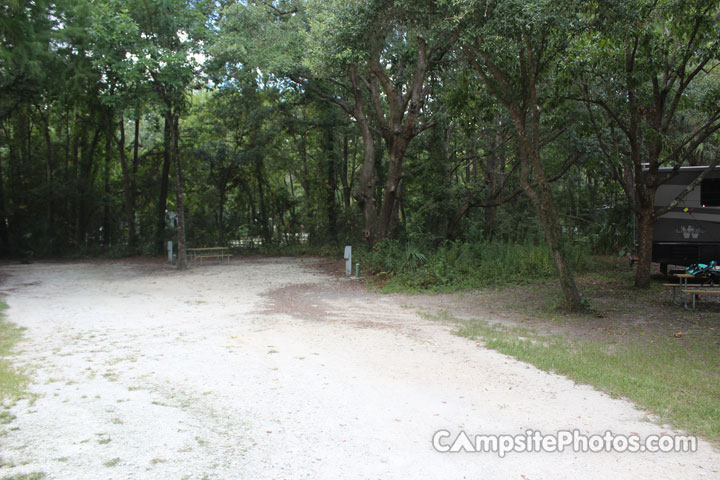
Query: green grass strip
[12,381]
[678,381]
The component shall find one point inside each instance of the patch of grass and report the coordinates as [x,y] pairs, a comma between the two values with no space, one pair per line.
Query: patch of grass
[676,379]
[12,380]
[6,417]
[195,302]
[115,361]
[25,476]
[112,463]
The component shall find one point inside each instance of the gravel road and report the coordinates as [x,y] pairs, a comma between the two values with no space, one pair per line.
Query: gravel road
[269,368]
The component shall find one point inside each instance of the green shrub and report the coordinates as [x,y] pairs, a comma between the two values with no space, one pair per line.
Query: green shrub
[455,265]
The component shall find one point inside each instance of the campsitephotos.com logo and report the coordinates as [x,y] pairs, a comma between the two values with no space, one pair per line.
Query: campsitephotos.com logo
[571,440]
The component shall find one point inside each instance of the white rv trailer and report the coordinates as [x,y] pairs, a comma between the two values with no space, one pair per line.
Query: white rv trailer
[690,232]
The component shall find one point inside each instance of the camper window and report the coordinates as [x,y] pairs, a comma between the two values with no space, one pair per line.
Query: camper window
[710,192]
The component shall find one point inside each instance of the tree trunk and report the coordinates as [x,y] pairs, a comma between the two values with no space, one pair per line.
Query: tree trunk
[136,150]
[251,202]
[4,238]
[128,187]
[48,166]
[84,183]
[364,191]
[260,177]
[133,183]
[221,214]
[344,174]
[106,185]
[492,186]
[494,178]
[73,178]
[162,201]
[545,208]
[331,187]
[388,211]
[330,200]
[553,235]
[175,130]
[453,225]
[646,224]
[6,226]
[397,128]
[226,174]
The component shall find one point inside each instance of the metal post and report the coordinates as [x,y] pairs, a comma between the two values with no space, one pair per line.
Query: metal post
[170,251]
[348,260]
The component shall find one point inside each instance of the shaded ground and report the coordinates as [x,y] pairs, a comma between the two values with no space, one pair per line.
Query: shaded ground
[617,310]
[280,368]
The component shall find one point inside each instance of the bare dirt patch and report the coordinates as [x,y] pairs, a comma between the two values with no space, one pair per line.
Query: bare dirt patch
[272,368]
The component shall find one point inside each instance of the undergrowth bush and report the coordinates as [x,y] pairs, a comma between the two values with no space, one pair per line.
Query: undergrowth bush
[462,265]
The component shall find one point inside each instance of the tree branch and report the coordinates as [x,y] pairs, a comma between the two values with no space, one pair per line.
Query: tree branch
[689,188]
[280,13]
[495,203]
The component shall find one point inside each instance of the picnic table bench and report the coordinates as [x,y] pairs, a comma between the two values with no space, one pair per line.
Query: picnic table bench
[700,290]
[692,289]
[682,282]
[202,253]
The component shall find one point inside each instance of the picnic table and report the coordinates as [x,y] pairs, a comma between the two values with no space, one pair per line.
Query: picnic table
[202,253]
[693,290]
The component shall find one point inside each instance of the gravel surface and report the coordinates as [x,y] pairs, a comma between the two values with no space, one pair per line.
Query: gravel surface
[268,368]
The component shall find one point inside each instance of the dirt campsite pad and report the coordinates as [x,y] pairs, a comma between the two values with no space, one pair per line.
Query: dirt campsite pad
[269,368]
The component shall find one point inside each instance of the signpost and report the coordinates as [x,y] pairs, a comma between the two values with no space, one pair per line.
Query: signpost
[348,260]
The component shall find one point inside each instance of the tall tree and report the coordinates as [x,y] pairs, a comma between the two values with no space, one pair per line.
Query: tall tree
[374,59]
[384,55]
[515,48]
[640,84]
[172,35]
[114,35]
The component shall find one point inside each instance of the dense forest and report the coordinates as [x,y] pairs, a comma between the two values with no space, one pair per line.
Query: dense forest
[426,124]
